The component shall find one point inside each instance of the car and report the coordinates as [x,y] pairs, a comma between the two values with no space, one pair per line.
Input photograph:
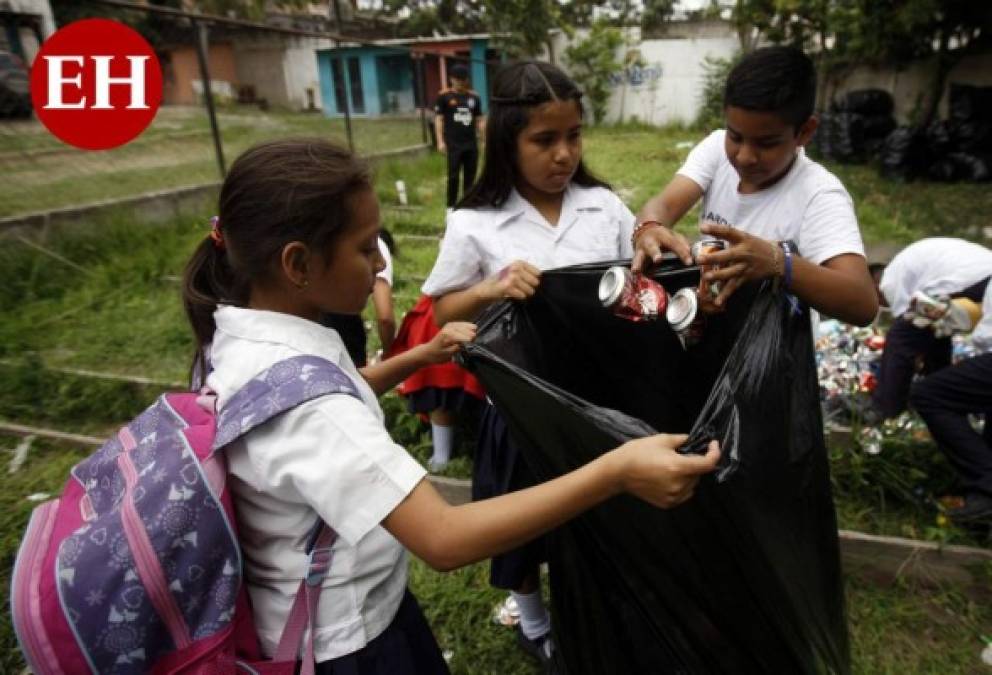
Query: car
[15,92]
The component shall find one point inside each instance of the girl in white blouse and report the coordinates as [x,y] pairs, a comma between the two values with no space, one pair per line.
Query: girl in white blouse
[297,237]
[534,207]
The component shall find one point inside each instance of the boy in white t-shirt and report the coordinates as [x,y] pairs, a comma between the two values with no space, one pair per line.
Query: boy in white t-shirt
[763,195]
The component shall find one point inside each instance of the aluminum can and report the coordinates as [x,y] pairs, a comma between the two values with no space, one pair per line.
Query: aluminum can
[684,317]
[631,296]
[703,246]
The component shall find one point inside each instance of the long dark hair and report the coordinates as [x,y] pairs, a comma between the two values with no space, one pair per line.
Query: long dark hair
[275,193]
[517,89]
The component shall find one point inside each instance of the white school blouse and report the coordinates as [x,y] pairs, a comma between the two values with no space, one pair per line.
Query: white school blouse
[594,225]
[330,457]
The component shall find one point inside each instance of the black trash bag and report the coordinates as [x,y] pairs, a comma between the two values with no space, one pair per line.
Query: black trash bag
[940,137]
[842,136]
[974,168]
[971,136]
[868,102]
[970,103]
[877,126]
[904,154]
[745,577]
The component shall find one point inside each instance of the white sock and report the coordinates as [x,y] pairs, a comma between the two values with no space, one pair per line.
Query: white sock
[534,618]
[444,439]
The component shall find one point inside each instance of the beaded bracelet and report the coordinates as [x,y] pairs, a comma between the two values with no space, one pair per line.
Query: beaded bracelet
[787,275]
[641,226]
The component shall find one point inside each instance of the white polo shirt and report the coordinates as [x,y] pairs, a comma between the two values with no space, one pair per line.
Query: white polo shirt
[330,457]
[594,225]
[809,205]
[935,266]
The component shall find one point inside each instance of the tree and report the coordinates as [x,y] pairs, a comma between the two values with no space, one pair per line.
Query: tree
[655,13]
[592,61]
[527,25]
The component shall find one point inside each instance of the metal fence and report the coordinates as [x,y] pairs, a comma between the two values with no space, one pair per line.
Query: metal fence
[228,84]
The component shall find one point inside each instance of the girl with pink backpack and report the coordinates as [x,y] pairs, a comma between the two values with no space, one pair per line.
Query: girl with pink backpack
[324,503]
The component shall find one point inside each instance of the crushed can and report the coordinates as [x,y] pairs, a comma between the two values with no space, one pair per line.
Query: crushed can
[684,317]
[631,296]
[702,247]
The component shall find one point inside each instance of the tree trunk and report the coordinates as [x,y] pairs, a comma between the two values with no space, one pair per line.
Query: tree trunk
[942,67]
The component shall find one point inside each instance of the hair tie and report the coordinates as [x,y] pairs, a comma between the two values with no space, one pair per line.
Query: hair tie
[215,232]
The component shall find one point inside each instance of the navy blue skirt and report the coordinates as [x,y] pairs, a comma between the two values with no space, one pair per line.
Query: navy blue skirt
[499,468]
[406,647]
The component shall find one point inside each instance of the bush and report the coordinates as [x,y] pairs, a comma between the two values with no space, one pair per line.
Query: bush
[711,109]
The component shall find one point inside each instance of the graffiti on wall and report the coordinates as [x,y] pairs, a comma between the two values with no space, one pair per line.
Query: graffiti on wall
[636,75]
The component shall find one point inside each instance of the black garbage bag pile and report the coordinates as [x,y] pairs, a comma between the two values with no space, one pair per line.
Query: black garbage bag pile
[958,148]
[854,128]
[961,146]
[744,578]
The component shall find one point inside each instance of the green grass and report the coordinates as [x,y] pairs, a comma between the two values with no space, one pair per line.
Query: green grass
[122,314]
[903,628]
[41,173]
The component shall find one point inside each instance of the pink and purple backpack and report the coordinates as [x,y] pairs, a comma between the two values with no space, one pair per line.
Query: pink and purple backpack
[136,568]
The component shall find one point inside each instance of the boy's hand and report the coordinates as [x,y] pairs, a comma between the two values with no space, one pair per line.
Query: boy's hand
[517,281]
[652,243]
[448,341]
[442,148]
[748,258]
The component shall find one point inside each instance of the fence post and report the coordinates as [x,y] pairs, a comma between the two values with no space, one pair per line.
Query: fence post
[418,59]
[202,44]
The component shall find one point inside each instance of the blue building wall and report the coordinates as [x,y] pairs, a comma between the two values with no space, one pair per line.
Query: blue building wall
[383,78]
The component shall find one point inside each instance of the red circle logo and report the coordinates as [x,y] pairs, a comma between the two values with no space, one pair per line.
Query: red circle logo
[96,84]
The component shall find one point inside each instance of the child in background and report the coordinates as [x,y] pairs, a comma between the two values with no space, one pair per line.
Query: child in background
[351,328]
[442,392]
[296,238]
[534,207]
[760,192]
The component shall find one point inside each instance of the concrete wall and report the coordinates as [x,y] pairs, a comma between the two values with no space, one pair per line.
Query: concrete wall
[663,78]
[183,70]
[281,69]
[911,85]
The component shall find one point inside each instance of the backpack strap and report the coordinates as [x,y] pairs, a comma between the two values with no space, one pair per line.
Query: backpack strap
[281,387]
[303,614]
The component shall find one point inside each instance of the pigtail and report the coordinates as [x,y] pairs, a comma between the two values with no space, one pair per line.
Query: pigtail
[207,283]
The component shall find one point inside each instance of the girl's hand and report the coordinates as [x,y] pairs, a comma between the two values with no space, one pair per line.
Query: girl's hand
[748,258]
[652,470]
[448,341]
[652,243]
[517,281]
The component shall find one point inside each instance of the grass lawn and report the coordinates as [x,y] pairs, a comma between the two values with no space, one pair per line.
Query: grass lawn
[114,307]
[41,173]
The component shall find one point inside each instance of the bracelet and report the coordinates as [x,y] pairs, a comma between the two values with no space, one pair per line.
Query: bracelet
[787,273]
[641,226]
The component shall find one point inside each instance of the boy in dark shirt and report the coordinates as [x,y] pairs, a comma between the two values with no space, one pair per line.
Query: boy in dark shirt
[458,118]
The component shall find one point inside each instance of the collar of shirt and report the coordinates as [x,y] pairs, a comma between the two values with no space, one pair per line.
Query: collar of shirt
[577,201]
[279,333]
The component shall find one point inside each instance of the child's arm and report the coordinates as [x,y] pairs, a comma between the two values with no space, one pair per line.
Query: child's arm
[386,374]
[439,132]
[665,209]
[382,302]
[840,287]
[516,281]
[448,537]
